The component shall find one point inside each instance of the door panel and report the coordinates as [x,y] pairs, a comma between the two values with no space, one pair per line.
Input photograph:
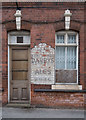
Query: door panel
[19,71]
[20,65]
[19,75]
[15,93]
[19,54]
[24,93]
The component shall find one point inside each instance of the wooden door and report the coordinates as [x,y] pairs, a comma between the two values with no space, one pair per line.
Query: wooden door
[20,73]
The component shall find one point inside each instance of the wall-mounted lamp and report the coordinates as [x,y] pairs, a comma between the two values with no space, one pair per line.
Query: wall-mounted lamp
[67,15]
[18,19]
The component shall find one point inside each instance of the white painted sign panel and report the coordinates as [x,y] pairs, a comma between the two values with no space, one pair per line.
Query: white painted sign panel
[42,64]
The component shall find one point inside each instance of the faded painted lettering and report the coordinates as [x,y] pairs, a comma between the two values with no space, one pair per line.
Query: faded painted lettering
[42,64]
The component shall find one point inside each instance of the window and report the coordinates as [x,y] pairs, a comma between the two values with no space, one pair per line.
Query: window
[66,57]
[19,38]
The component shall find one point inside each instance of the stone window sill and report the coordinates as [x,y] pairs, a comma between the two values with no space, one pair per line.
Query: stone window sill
[66,87]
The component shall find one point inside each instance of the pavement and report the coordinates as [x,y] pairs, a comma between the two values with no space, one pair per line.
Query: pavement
[0,113]
[10,112]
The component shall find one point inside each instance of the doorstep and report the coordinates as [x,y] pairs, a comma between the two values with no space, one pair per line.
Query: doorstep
[24,105]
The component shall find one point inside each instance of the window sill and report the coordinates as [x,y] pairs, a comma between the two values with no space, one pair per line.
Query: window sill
[66,87]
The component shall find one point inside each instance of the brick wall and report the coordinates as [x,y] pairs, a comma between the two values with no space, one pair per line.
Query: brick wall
[0,57]
[85,48]
[4,65]
[43,20]
[58,99]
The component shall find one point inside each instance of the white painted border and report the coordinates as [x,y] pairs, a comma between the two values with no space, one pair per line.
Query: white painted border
[65,44]
[77,59]
[8,72]
[9,45]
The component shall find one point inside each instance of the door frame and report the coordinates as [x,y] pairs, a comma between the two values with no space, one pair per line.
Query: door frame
[9,64]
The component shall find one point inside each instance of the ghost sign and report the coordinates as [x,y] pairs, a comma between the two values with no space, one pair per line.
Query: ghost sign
[42,64]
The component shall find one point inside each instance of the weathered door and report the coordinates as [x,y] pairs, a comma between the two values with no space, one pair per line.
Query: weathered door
[20,73]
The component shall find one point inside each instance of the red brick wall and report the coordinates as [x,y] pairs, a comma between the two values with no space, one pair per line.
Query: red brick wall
[58,99]
[4,65]
[42,33]
[85,48]
[42,20]
[0,57]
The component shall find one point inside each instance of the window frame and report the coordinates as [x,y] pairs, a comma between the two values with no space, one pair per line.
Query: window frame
[65,44]
[18,34]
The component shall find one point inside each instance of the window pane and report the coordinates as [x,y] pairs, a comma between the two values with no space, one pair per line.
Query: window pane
[60,39]
[12,39]
[60,58]
[71,57]
[19,39]
[26,39]
[71,38]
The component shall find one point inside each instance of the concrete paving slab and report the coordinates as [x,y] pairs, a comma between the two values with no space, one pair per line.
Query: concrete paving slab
[10,112]
[0,113]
